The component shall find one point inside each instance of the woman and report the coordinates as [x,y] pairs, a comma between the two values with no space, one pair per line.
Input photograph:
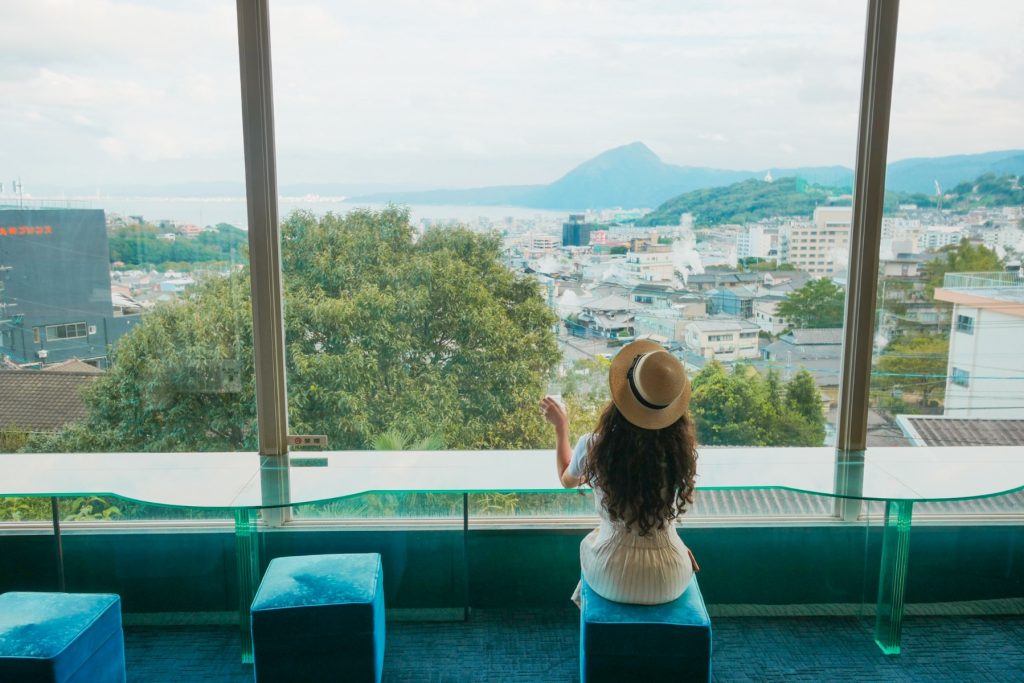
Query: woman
[641,462]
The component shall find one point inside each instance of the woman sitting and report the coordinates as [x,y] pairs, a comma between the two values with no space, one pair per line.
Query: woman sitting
[641,463]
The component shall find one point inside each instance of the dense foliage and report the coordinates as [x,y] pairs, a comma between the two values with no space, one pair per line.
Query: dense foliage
[139,245]
[819,303]
[961,258]
[743,408]
[915,366]
[742,202]
[430,338]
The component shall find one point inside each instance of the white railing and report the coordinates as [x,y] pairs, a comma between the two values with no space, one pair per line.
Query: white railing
[996,280]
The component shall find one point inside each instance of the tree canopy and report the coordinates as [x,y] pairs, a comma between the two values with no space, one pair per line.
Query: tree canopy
[432,338]
[819,303]
[916,366]
[960,258]
[139,245]
[741,408]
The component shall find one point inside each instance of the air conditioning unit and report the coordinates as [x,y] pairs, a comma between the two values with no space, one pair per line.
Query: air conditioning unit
[41,354]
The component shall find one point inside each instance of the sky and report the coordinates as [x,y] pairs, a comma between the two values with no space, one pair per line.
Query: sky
[462,93]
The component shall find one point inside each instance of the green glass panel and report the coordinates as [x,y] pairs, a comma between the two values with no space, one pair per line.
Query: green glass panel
[892,578]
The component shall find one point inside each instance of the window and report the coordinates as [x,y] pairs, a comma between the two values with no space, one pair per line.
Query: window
[66,331]
[960,377]
[964,323]
[159,275]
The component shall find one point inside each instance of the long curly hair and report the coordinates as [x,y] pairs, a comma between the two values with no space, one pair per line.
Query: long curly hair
[647,475]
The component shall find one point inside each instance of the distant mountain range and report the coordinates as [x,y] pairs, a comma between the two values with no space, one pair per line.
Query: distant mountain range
[633,176]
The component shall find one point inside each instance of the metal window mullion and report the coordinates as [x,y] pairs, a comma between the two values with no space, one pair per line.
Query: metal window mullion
[865,237]
[264,234]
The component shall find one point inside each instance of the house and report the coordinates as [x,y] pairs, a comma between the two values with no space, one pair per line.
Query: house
[722,339]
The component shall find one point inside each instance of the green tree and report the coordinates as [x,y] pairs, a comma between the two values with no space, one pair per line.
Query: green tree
[961,258]
[819,303]
[427,338]
[743,409]
[916,366]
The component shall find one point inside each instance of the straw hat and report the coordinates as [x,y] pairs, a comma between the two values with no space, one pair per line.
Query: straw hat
[649,385]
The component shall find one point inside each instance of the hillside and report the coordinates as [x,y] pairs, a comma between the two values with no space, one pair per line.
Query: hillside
[919,175]
[633,176]
[749,200]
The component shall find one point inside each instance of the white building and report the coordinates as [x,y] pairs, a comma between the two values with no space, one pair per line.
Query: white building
[985,372]
[724,340]
[821,247]
[767,318]
[756,242]
[938,236]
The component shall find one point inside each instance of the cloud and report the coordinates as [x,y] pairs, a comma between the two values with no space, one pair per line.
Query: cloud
[413,91]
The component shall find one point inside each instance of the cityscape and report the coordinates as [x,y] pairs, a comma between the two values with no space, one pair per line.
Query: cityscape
[762,296]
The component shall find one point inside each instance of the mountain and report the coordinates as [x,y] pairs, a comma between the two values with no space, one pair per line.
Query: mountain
[631,176]
[919,175]
[747,200]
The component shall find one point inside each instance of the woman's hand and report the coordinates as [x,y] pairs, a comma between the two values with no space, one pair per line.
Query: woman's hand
[693,561]
[554,412]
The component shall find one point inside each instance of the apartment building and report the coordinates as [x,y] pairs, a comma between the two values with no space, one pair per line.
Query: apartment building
[820,247]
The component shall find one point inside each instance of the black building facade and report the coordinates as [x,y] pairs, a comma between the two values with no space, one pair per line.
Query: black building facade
[55,301]
[576,232]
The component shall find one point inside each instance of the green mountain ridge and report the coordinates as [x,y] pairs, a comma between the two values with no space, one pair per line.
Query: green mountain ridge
[752,200]
[633,176]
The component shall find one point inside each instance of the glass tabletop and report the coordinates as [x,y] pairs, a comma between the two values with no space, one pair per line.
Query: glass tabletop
[247,480]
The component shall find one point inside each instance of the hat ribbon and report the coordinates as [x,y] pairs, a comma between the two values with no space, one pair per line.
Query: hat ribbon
[636,392]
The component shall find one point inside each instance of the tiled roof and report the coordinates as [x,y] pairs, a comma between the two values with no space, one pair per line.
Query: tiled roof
[42,401]
[73,365]
[937,430]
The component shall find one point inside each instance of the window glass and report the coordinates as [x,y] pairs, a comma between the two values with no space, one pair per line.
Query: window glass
[124,292]
[566,182]
[948,369]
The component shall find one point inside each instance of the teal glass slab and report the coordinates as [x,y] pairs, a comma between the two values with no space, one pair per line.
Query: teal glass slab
[247,480]
[245,483]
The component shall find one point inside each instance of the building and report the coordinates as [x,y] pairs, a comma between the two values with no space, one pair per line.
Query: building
[56,297]
[985,371]
[648,261]
[756,242]
[766,315]
[724,340]
[822,246]
[610,317]
[576,232]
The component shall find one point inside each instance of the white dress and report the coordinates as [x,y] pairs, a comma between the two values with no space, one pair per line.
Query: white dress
[623,566]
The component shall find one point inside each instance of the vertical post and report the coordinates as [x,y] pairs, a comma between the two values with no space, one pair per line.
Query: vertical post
[892,575]
[247,561]
[865,236]
[264,234]
[465,556]
[58,544]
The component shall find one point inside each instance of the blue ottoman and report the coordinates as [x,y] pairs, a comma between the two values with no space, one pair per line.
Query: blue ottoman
[619,642]
[319,618]
[61,638]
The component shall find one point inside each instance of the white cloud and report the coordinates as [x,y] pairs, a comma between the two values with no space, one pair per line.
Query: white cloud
[416,91]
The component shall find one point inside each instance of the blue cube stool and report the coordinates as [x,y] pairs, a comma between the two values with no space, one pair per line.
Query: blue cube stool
[319,618]
[669,642]
[61,638]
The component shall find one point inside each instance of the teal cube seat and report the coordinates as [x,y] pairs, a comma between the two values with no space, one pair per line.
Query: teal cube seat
[620,642]
[320,618]
[61,638]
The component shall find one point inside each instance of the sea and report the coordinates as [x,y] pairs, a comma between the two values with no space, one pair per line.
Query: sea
[232,210]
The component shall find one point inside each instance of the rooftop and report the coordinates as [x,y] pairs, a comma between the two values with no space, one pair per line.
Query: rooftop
[939,430]
[23,391]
